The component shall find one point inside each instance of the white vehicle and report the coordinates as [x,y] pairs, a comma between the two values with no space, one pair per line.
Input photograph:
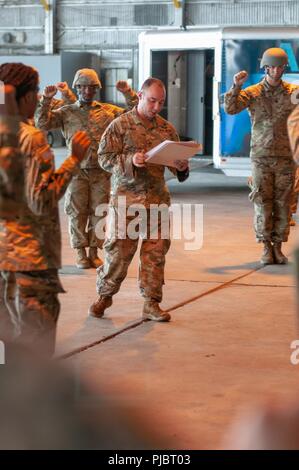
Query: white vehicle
[198,67]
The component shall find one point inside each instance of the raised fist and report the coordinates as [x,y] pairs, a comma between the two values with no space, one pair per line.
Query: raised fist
[50,91]
[62,87]
[122,86]
[240,78]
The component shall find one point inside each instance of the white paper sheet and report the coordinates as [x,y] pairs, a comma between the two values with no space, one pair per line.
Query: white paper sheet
[168,153]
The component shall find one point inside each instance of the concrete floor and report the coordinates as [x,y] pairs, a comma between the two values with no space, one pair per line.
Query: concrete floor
[228,344]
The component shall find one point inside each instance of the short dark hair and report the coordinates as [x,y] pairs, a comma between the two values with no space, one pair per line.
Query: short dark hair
[23,77]
[151,81]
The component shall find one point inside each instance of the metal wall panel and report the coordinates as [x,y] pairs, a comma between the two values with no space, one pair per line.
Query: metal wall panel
[98,39]
[30,42]
[99,25]
[243,13]
[17,17]
[115,3]
[21,27]
[93,16]
[124,14]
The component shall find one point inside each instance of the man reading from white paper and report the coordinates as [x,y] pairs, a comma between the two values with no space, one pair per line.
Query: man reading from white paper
[122,152]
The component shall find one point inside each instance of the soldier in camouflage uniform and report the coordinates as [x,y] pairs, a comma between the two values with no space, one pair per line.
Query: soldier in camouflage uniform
[293,131]
[91,185]
[269,104]
[11,181]
[30,241]
[122,153]
[294,199]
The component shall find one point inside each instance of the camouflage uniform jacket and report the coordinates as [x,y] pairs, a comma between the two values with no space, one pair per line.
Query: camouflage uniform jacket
[11,169]
[93,118]
[124,137]
[68,98]
[32,240]
[293,130]
[269,108]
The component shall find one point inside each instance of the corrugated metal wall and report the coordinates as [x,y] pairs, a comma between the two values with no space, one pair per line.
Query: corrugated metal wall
[109,25]
[115,24]
[243,13]
[21,27]
[110,28]
[93,25]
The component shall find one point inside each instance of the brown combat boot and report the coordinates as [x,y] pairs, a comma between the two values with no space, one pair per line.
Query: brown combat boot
[152,311]
[82,261]
[267,255]
[95,261]
[279,257]
[98,308]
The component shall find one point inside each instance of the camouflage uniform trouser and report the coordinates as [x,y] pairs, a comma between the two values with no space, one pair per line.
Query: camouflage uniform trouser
[119,251]
[89,188]
[294,200]
[272,187]
[29,308]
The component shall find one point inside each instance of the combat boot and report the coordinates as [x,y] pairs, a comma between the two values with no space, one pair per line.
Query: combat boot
[82,261]
[267,255]
[152,311]
[95,261]
[280,258]
[98,308]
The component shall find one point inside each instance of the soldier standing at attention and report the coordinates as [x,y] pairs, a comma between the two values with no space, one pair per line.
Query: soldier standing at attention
[269,104]
[30,240]
[122,152]
[91,185]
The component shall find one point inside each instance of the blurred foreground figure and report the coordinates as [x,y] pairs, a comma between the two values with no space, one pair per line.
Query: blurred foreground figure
[30,240]
[11,179]
[11,159]
[45,406]
[293,130]
[266,428]
[294,201]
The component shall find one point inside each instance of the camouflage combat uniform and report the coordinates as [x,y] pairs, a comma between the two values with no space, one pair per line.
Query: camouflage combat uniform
[11,195]
[295,194]
[90,186]
[271,157]
[30,244]
[56,103]
[124,137]
[293,130]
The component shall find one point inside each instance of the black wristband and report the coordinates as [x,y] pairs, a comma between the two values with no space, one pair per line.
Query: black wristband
[182,175]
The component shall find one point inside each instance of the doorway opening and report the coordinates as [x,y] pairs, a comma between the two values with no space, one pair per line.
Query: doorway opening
[188,76]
